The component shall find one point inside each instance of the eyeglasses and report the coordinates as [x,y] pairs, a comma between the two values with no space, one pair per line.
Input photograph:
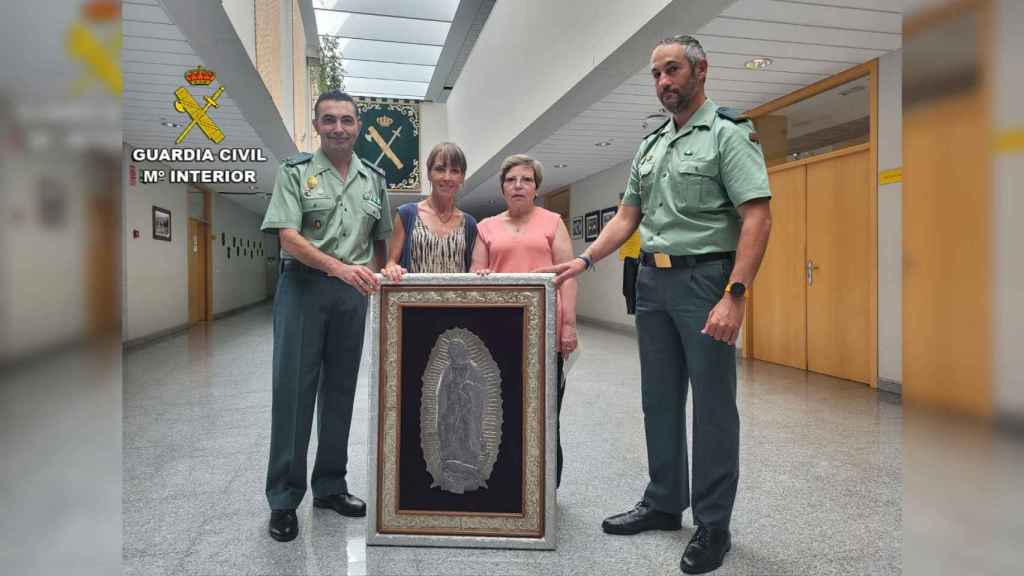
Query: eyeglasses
[526,180]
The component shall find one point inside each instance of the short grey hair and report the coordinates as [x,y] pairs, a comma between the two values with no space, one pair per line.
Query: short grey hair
[694,51]
[521,160]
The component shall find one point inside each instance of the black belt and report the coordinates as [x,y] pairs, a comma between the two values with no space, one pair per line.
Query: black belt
[648,259]
[293,265]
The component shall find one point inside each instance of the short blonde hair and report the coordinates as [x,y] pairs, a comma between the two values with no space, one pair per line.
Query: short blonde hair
[521,160]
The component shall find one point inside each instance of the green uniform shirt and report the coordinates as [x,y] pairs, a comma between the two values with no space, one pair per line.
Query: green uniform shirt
[342,219]
[688,183]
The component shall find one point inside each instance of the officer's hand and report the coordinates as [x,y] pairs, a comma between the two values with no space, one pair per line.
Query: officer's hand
[359,277]
[393,272]
[725,320]
[565,270]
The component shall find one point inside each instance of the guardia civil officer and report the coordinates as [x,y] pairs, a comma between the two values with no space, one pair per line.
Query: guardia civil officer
[331,213]
[698,191]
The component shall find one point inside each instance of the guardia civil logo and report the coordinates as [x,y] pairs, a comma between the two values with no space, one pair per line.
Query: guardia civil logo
[390,140]
[199,115]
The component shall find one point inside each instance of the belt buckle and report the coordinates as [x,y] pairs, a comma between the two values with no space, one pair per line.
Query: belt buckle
[662,260]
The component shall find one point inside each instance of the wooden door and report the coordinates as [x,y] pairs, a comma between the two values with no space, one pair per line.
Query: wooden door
[947,248]
[558,202]
[197,271]
[779,303]
[840,245]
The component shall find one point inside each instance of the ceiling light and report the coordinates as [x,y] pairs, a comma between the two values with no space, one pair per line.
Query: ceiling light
[603,144]
[561,165]
[758,63]
[171,124]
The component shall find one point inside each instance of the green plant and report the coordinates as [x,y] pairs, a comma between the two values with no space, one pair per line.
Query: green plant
[330,76]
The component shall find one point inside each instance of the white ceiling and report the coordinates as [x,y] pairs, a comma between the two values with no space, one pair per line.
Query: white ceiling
[406,49]
[807,41]
[154,58]
[387,56]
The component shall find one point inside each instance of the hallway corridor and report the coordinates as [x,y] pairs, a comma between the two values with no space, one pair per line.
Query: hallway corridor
[820,475]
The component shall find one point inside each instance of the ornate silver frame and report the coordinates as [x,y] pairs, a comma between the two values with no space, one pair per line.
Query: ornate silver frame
[536,528]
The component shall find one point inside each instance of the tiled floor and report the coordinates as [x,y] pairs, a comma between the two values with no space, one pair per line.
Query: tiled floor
[820,476]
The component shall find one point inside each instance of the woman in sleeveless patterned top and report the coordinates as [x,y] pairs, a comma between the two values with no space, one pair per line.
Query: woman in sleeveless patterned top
[433,235]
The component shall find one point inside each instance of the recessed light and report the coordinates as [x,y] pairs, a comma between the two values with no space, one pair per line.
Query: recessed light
[603,144]
[561,165]
[758,63]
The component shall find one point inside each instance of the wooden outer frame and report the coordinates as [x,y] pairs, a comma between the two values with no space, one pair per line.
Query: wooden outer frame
[869,69]
[456,528]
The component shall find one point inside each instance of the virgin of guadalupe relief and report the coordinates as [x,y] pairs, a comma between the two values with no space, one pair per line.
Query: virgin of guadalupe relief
[460,413]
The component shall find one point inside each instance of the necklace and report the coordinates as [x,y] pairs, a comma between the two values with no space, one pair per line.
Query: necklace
[451,214]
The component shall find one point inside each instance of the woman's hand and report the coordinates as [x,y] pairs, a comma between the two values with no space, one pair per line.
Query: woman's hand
[568,341]
[393,272]
[483,272]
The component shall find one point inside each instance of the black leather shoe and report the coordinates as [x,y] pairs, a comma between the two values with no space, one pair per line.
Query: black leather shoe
[641,518]
[284,525]
[344,504]
[706,550]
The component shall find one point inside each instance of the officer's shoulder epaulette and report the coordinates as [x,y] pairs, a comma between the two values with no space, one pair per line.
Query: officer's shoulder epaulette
[300,158]
[377,169]
[731,114]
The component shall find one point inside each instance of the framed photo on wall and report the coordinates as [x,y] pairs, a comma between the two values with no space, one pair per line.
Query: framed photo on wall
[607,214]
[463,412]
[593,225]
[577,228]
[161,224]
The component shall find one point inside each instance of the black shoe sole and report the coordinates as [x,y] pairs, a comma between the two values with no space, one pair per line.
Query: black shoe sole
[618,531]
[284,538]
[317,503]
[705,570]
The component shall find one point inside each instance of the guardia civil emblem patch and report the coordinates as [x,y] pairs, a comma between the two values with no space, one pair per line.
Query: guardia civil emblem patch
[390,140]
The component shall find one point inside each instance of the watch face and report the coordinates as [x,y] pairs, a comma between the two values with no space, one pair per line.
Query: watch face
[737,289]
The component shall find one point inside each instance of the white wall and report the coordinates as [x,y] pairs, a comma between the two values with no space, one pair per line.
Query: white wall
[529,54]
[1008,206]
[538,63]
[242,14]
[600,294]
[156,272]
[241,279]
[890,226]
[433,130]
[43,285]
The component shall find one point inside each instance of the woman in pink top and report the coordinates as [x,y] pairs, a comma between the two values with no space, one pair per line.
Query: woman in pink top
[526,237]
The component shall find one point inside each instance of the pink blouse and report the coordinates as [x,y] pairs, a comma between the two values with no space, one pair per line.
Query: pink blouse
[530,248]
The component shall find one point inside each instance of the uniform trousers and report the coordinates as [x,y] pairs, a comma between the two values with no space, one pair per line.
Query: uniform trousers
[671,310]
[318,341]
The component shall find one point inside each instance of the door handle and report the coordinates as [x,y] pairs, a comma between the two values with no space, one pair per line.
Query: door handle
[810,267]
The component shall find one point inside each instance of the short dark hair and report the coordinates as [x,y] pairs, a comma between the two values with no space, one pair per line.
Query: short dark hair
[447,154]
[691,47]
[334,95]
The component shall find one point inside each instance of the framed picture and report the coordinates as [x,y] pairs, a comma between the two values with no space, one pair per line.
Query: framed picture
[593,225]
[607,214]
[577,228]
[161,224]
[463,412]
